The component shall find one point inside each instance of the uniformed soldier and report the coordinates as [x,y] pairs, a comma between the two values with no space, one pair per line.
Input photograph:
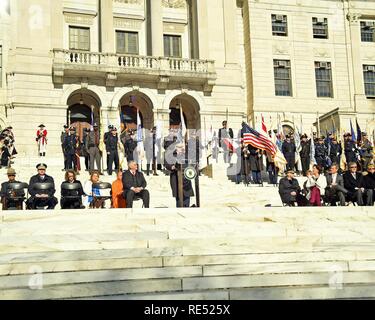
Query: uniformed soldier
[112,151]
[130,146]
[92,145]
[7,194]
[289,151]
[106,135]
[225,133]
[321,153]
[69,146]
[62,138]
[84,150]
[350,149]
[45,197]
[305,153]
[335,151]
[366,151]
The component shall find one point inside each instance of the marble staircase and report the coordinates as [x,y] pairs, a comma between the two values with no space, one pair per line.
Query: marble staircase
[165,253]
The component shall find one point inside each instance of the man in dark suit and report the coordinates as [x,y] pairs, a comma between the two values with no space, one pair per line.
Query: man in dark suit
[289,189]
[134,184]
[370,184]
[225,133]
[45,197]
[335,186]
[354,183]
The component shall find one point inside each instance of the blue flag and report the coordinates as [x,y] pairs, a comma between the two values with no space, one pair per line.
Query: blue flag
[352,132]
[359,132]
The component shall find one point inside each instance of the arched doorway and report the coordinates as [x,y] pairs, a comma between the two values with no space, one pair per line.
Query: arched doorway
[83,111]
[190,108]
[129,104]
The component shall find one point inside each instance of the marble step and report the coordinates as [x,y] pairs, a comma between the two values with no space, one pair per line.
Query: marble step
[78,277]
[274,280]
[92,289]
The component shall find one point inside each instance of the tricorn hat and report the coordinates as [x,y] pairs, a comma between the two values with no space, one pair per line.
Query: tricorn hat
[42,126]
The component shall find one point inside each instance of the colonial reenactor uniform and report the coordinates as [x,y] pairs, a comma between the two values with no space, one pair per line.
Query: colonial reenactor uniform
[256,164]
[8,195]
[69,146]
[112,151]
[150,150]
[41,139]
[92,145]
[366,151]
[305,154]
[289,151]
[35,201]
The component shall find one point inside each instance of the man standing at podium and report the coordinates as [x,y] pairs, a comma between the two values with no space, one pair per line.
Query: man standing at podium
[41,198]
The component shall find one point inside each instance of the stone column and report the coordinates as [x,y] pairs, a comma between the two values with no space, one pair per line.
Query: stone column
[107,28]
[356,62]
[157,28]
[57,24]
[203,29]
[230,31]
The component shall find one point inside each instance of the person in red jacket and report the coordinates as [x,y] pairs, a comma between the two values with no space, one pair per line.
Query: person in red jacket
[41,139]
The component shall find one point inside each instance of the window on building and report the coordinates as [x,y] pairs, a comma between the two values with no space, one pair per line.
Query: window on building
[1,66]
[323,76]
[172,46]
[368,31]
[127,42]
[79,38]
[283,79]
[279,25]
[320,28]
[369,79]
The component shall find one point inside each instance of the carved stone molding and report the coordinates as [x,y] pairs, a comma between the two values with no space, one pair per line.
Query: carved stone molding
[280,49]
[321,53]
[127,23]
[353,17]
[174,27]
[82,19]
[176,4]
[136,2]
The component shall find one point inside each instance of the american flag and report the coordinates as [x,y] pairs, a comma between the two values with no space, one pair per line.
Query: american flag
[257,140]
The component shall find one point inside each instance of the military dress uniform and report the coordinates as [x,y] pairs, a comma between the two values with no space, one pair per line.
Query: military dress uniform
[92,146]
[112,153]
[289,151]
[69,146]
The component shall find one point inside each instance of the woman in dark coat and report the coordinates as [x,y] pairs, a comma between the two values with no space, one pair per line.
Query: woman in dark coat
[256,164]
[174,167]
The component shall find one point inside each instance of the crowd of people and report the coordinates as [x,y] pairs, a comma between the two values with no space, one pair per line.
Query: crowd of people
[7,147]
[335,172]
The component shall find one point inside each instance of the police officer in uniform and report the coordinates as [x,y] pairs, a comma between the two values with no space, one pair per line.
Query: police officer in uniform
[112,150]
[321,153]
[305,153]
[69,147]
[130,146]
[92,145]
[62,138]
[106,135]
[289,151]
[366,151]
[37,198]
[84,150]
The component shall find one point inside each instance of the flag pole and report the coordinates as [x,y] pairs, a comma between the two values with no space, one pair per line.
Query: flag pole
[318,122]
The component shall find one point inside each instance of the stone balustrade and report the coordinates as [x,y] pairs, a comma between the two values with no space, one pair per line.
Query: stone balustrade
[164,70]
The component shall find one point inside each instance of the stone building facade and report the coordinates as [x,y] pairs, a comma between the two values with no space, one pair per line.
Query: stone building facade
[70,61]
[292,61]
[309,59]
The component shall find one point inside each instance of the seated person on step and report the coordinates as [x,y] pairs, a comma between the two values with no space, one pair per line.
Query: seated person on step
[134,184]
[41,198]
[71,198]
[118,200]
[289,190]
[315,185]
[335,190]
[89,199]
[8,195]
